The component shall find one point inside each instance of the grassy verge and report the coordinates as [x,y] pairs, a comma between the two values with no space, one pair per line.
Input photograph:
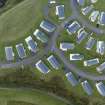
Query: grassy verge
[34,97]
[16,24]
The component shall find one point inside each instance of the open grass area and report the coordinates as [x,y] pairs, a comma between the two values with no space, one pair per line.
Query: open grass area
[34,97]
[15,24]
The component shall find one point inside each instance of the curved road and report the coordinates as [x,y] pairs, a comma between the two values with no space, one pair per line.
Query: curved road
[67,64]
[52,46]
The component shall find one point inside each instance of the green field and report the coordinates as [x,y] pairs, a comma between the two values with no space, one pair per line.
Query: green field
[33,97]
[21,20]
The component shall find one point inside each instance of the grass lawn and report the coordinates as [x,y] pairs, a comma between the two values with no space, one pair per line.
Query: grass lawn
[34,97]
